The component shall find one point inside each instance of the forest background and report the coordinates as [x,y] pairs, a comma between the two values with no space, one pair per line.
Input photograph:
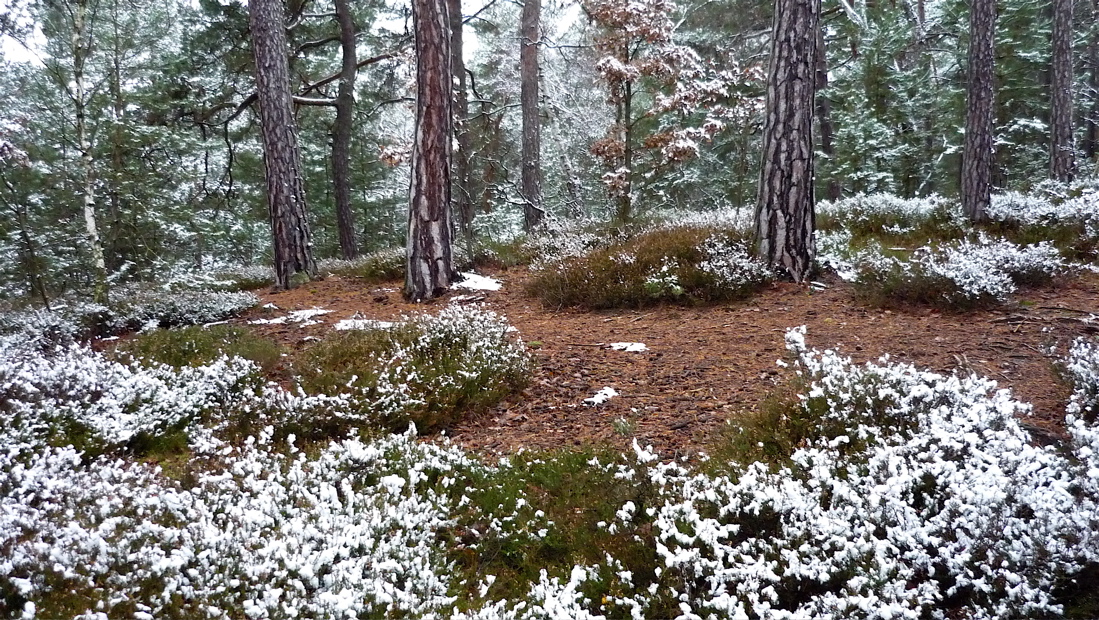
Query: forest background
[146,113]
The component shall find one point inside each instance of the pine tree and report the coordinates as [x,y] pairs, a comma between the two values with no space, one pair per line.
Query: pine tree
[529,40]
[430,270]
[784,210]
[291,239]
[976,181]
[1062,155]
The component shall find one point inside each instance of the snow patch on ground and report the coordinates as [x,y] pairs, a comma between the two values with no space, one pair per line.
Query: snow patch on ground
[601,397]
[632,347]
[304,317]
[478,282]
[347,324]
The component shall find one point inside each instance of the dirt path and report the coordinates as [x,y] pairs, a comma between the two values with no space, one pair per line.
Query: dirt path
[704,365]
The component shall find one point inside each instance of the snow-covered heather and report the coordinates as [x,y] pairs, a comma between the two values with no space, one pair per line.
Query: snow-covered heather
[922,489]
[561,241]
[184,307]
[347,324]
[889,213]
[1082,416]
[351,532]
[919,496]
[565,240]
[732,264]
[132,308]
[50,394]
[1039,210]
[729,218]
[962,271]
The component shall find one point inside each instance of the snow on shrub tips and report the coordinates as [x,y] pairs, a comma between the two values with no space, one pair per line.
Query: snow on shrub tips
[919,495]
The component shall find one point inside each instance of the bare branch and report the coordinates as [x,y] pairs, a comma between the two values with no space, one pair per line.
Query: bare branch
[313,101]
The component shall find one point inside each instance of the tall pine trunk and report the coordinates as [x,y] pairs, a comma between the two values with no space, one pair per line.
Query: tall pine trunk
[824,115]
[291,239]
[785,217]
[462,186]
[82,49]
[1091,122]
[529,40]
[341,132]
[1062,155]
[976,182]
[430,268]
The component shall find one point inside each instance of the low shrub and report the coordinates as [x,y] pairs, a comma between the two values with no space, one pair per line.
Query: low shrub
[145,307]
[1069,223]
[199,345]
[909,494]
[426,370]
[380,266]
[243,278]
[917,495]
[670,264]
[892,220]
[71,395]
[958,276]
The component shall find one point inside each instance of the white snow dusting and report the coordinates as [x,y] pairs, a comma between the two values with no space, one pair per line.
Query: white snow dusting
[631,347]
[478,282]
[601,397]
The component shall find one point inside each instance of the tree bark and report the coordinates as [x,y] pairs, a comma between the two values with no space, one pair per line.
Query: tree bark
[529,40]
[341,132]
[291,238]
[1091,123]
[1062,155]
[82,48]
[824,114]
[976,181]
[462,190]
[430,270]
[785,218]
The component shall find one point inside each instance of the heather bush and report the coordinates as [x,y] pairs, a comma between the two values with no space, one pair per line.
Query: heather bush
[71,395]
[905,494]
[1070,223]
[200,344]
[427,370]
[893,220]
[678,264]
[956,275]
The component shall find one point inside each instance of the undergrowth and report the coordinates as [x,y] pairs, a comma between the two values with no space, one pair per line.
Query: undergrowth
[894,492]
[901,252]
[425,370]
[198,345]
[673,264]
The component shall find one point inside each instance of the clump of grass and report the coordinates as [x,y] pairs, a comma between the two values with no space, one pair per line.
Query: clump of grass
[245,278]
[197,345]
[380,266]
[669,264]
[426,370]
[547,512]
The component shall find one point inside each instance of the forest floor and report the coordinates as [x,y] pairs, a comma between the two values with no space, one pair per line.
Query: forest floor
[708,364]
